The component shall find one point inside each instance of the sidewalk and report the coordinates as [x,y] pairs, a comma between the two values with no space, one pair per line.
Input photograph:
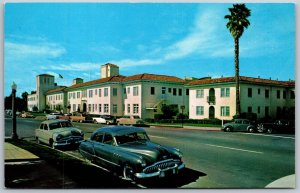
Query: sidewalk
[13,153]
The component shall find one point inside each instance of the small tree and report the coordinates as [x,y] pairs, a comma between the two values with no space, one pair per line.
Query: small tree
[169,111]
[58,107]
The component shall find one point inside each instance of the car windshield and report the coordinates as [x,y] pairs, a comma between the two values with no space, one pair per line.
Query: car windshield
[59,125]
[131,137]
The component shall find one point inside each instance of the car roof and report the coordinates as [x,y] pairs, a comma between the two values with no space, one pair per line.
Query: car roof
[242,119]
[119,130]
[54,121]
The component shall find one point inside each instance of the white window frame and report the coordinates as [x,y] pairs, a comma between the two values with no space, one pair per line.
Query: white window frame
[225,111]
[200,93]
[135,108]
[105,92]
[199,110]
[135,91]
[106,108]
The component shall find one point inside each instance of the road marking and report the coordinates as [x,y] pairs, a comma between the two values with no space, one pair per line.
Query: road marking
[258,152]
[269,135]
[154,136]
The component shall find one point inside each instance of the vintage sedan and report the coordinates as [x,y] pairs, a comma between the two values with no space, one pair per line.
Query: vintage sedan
[103,119]
[58,133]
[240,125]
[27,115]
[279,126]
[128,151]
[130,120]
[53,115]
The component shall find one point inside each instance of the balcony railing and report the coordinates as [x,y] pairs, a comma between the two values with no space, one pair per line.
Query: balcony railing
[211,100]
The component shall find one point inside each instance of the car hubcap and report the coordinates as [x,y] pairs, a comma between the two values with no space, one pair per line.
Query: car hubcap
[128,173]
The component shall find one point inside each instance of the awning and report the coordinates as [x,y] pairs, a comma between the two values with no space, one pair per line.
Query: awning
[151,106]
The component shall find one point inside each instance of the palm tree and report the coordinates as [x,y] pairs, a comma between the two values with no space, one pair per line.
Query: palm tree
[237,22]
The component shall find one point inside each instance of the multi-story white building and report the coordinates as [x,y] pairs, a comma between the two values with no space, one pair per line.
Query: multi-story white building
[31,101]
[215,98]
[56,99]
[144,95]
[113,94]
[44,83]
[102,96]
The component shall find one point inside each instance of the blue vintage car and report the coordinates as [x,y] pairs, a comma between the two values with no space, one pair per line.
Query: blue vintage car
[129,152]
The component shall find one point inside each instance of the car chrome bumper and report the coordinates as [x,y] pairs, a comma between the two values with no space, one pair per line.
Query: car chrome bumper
[67,143]
[161,172]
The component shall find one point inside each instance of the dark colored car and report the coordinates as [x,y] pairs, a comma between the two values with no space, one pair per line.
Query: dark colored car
[129,152]
[240,125]
[279,126]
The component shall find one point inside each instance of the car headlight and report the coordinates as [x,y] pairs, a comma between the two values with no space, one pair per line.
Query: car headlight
[178,152]
[59,137]
[143,164]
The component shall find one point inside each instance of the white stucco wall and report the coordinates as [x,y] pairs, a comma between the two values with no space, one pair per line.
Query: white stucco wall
[256,101]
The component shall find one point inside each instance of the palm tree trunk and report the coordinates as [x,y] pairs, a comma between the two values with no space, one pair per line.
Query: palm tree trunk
[237,74]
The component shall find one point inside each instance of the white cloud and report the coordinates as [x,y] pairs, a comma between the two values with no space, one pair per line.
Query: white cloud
[205,38]
[85,66]
[131,62]
[20,50]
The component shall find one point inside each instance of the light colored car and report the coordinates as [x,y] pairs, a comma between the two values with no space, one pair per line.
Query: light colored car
[130,120]
[103,119]
[98,119]
[77,117]
[58,133]
[27,115]
[66,116]
[53,116]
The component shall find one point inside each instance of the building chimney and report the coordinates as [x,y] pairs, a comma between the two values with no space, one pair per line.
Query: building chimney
[77,81]
[109,70]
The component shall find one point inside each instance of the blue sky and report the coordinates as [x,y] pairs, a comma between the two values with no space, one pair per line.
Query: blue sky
[184,40]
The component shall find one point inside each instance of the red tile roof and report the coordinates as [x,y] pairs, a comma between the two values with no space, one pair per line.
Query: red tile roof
[242,79]
[118,78]
[56,89]
[154,77]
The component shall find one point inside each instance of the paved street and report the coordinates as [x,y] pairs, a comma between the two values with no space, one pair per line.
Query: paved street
[213,159]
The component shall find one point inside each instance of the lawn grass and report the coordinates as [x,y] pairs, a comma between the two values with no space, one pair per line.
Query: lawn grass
[38,114]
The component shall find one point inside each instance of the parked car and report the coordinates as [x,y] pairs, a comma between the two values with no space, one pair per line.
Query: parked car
[128,151]
[27,115]
[66,116]
[53,116]
[103,119]
[58,133]
[240,125]
[130,120]
[80,117]
[279,126]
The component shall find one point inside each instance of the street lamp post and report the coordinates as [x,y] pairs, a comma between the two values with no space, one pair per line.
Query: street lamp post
[182,108]
[14,135]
